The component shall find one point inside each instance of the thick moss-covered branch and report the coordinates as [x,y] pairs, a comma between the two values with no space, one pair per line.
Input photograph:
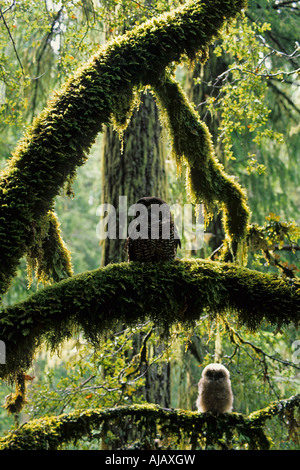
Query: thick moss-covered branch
[167,293]
[196,429]
[282,408]
[60,137]
[206,177]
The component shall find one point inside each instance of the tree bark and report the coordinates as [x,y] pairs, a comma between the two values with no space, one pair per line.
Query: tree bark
[136,172]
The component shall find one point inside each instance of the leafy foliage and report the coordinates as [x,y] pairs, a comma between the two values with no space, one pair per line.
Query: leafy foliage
[271,237]
[249,70]
[251,97]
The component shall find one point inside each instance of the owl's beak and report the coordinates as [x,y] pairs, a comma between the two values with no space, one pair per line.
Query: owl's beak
[214,379]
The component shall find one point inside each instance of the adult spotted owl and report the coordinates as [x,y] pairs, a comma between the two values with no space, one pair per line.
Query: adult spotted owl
[152,236]
[214,389]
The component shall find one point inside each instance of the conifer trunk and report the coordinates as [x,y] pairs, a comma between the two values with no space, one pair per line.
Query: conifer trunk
[138,171]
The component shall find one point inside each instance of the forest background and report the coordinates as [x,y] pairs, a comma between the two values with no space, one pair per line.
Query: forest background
[248,93]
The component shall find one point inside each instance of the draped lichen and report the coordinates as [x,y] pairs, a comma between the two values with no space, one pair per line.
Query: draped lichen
[206,178]
[60,137]
[15,401]
[48,256]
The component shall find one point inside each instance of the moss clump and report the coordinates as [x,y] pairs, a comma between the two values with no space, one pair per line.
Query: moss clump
[14,402]
[167,293]
[48,256]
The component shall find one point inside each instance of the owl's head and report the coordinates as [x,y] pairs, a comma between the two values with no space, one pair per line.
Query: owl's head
[148,200]
[214,372]
[158,209]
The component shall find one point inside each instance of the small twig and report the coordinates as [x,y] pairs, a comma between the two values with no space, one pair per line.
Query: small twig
[9,7]
[212,255]
[80,386]
[288,4]
[287,247]
[275,51]
[257,349]
[253,72]
[274,262]
[12,40]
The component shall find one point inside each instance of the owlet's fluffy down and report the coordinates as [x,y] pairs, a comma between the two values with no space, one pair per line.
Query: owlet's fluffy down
[214,387]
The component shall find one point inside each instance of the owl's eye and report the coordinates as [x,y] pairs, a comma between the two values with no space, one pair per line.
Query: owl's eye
[209,373]
[219,375]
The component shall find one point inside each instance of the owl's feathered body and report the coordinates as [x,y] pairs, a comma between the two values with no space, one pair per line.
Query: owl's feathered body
[214,387]
[158,240]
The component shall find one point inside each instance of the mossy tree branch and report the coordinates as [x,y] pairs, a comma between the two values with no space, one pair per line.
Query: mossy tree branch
[206,178]
[50,433]
[167,293]
[61,136]
[281,407]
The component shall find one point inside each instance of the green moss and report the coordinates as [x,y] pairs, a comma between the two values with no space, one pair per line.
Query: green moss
[206,179]
[282,408]
[167,293]
[14,402]
[48,256]
[196,429]
[61,136]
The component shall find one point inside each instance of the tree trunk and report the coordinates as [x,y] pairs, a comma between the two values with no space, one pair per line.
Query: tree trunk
[138,171]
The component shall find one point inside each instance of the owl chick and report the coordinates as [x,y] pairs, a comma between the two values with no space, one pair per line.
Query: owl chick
[214,389]
[152,235]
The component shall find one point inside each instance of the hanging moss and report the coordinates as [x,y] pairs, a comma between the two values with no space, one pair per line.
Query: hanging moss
[206,178]
[61,136]
[48,256]
[167,293]
[195,429]
[14,402]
